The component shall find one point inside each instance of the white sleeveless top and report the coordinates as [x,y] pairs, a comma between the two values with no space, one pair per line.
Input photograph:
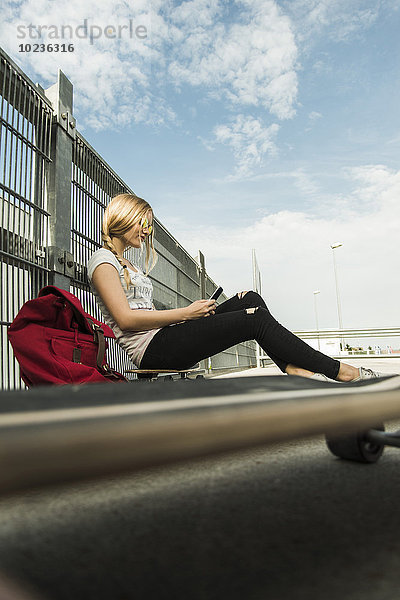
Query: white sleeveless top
[139,296]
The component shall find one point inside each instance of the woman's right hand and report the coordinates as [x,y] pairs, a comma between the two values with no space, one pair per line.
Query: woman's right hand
[199,309]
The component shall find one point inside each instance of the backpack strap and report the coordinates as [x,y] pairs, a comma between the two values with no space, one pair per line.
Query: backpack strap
[98,336]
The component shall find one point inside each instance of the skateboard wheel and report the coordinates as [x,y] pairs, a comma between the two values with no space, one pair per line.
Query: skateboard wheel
[356,447]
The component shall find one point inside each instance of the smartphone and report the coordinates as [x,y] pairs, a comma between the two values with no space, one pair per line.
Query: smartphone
[217,293]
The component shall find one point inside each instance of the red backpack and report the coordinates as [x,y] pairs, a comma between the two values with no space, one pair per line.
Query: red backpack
[56,342]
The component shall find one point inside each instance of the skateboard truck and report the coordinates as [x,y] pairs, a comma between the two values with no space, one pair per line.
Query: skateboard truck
[363,446]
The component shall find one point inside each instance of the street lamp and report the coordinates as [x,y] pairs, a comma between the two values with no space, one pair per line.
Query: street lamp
[316,292]
[334,246]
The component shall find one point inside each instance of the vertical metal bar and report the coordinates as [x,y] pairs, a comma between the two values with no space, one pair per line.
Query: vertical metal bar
[32,159]
[42,239]
[81,197]
[37,133]
[86,204]
[4,222]
[3,67]
[73,210]
[3,148]
[14,137]
[18,269]
[6,194]
[11,120]
[79,179]
[77,217]
[46,218]
[40,231]
[26,133]
[20,128]
[74,201]
[83,192]
[30,212]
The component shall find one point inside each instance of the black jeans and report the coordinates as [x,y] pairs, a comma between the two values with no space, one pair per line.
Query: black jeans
[182,345]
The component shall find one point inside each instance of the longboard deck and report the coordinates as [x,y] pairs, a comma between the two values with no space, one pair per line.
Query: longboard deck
[154,373]
[140,371]
[59,434]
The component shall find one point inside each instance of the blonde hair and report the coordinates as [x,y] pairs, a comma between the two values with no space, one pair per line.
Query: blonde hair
[122,213]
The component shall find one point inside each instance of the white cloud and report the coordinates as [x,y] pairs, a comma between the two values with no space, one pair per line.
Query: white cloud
[314,115]
[305,183]
[251,62]
[338,20]
[293,251]
[113,76]
[240,54]
[380,186]
[249,140]
[250,59]
[196,13]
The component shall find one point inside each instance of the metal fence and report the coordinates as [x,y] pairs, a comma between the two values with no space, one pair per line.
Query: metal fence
[54,190]
[92,186]
[25,139]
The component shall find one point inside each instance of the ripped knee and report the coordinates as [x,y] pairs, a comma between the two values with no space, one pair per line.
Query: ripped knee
[241,294]
[251,311]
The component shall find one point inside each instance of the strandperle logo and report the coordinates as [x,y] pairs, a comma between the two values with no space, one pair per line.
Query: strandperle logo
[84,31]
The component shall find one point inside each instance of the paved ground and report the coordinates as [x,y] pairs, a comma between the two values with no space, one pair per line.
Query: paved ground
[286,522]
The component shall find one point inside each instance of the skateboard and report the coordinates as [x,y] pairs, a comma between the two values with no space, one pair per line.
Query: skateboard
[166,374]
[56,434]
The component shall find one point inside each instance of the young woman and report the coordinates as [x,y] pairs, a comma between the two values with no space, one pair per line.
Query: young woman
[179,338]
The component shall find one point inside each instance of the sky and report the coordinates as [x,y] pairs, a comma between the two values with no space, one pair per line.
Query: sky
[262,124]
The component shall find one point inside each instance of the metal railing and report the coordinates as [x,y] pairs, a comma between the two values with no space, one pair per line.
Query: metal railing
[343,334]
[46,239]
[369,332]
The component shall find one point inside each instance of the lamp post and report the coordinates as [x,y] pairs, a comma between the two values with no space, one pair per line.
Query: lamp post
[334,246]
[316,292]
